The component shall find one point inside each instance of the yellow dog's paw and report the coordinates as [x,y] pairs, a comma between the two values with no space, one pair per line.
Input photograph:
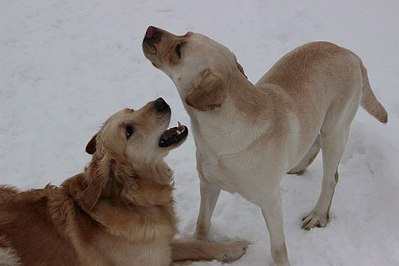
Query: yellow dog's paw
[313,220]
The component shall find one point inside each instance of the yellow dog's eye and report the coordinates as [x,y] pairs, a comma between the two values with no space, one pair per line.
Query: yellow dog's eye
[129,131]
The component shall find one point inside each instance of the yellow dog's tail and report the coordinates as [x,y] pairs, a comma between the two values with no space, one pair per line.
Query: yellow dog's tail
[369,102]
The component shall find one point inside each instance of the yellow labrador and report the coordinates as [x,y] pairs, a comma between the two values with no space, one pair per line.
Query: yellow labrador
[118,211]
[248,136]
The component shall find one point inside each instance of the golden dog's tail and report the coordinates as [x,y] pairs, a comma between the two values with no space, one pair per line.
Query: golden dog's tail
[369,102]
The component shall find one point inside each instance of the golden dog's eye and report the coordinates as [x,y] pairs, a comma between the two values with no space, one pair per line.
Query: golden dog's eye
[177,49]
[129,131]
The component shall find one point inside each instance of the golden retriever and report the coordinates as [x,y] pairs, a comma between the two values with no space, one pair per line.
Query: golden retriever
[119,211]
[248,136]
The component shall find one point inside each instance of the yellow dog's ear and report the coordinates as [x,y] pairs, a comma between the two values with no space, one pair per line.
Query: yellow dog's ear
[241,69]
[209,93]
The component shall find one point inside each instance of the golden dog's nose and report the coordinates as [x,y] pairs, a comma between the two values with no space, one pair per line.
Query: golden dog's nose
[161,105]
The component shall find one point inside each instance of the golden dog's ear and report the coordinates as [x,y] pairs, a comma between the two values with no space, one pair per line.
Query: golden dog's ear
[87,188]
[209,93]
[95,184]
[91,147]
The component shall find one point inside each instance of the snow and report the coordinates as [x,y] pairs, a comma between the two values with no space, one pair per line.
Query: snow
[67,65]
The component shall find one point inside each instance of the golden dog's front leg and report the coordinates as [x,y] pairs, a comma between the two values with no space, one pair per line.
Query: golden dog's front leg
[195,250]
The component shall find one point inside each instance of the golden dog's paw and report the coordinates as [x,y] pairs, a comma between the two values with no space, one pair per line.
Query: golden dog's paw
[313,220]
[233,250]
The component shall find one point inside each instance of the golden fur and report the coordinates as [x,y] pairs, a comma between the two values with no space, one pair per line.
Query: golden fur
[119,211]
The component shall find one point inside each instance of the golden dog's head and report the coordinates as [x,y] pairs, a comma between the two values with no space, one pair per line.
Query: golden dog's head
[138,136]
[200,67]
[127,164]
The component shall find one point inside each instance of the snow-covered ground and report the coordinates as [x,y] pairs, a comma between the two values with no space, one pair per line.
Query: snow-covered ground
[67,65]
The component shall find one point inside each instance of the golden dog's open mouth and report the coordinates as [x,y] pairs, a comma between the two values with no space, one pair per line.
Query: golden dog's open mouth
[173,136]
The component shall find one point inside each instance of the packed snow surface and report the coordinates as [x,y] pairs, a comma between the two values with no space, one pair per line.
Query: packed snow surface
[68,65]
